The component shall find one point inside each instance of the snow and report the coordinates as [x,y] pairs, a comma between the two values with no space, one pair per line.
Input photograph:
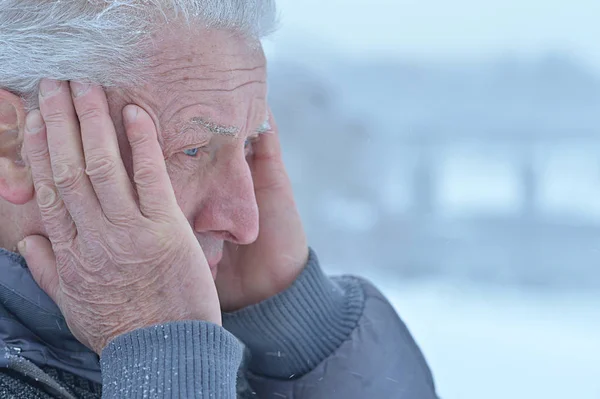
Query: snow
[510,144]
[501,343]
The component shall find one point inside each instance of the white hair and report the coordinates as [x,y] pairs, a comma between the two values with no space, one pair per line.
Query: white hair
[104,41]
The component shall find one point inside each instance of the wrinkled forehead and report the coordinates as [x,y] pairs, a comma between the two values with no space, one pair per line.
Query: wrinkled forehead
[214,75]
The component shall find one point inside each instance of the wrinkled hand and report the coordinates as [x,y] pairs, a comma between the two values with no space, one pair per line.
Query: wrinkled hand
[119,257]
[249,274]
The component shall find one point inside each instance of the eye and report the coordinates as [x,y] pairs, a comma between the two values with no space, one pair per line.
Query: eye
[248,147]
[192,152]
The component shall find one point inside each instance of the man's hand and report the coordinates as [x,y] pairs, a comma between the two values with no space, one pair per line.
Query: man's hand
[249,274]
[121,255]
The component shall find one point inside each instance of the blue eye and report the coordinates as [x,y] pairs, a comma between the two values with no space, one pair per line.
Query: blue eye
[192,152]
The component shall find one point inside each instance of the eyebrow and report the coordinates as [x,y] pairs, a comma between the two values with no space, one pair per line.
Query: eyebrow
[264,127]
[215,128]
[222,130]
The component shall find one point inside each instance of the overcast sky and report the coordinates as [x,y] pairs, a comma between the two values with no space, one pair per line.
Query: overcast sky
[445,28]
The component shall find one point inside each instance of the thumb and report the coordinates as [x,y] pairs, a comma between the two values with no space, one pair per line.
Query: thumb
[40,258]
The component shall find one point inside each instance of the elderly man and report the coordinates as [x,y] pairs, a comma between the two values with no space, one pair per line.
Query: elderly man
[155,223]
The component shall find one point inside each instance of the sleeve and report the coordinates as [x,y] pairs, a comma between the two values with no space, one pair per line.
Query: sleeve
[330,338]
[189,359]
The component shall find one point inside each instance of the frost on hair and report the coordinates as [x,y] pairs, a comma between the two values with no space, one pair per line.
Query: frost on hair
[104,41]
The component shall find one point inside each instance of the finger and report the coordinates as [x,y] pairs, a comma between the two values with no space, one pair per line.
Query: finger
[268,147]
[267,167]
[57,220]
[104,164]
[152,182]
[38,254]
[66,152]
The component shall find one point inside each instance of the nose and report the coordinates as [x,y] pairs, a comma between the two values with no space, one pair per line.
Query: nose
[229,211]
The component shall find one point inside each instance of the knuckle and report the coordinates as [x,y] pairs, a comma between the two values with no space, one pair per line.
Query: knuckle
[64,237]
[122,221]
[158,211]
[101,167]
[37,154]
[69,262]
[146,175]
[68,177]
[158,241]
[91,113]
[138,137]
[48,198]
[166,240]
[69,275]
[55,118]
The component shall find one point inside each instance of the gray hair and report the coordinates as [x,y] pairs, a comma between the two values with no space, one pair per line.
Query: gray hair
[104,41]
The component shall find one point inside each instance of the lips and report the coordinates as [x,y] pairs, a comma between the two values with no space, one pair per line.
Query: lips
[213,263]
[213,251]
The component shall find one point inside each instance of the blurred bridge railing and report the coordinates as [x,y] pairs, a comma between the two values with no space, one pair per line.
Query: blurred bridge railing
[537,226]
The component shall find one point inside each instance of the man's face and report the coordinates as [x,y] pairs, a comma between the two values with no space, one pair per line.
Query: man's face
[208,100]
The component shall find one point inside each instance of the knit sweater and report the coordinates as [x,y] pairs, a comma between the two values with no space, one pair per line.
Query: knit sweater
[321,338]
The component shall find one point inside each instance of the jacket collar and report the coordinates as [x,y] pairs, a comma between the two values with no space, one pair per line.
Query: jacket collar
[32,326]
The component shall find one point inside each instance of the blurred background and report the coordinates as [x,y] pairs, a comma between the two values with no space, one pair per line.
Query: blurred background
[450,152]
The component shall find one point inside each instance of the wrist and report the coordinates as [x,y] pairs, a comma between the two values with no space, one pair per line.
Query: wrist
[286,276]
[132,320]
[168,357]
[292,332]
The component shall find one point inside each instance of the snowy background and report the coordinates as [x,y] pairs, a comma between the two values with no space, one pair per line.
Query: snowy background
[450,151]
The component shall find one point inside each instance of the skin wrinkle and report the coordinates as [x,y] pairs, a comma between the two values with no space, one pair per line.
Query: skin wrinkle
[203,123]
[205,68]
[148,280]
[230,70]
[181,123]
[232,89]
[253,69]
[190,78]
[186,81]
[184,137]
[215,192]
[198,104]
[170,70]
[207,91]
[120,22]
[190,58]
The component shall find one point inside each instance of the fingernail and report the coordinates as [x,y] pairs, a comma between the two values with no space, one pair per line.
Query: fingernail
[78,89]
[49,86]
[22,246]
[130,113]
[34,122]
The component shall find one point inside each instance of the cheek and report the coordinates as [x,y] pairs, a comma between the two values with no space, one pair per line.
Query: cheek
[190,181]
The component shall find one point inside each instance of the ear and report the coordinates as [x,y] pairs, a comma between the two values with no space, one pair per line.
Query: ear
[16,184]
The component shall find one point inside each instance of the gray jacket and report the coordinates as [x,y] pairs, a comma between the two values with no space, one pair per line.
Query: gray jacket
[321,338]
